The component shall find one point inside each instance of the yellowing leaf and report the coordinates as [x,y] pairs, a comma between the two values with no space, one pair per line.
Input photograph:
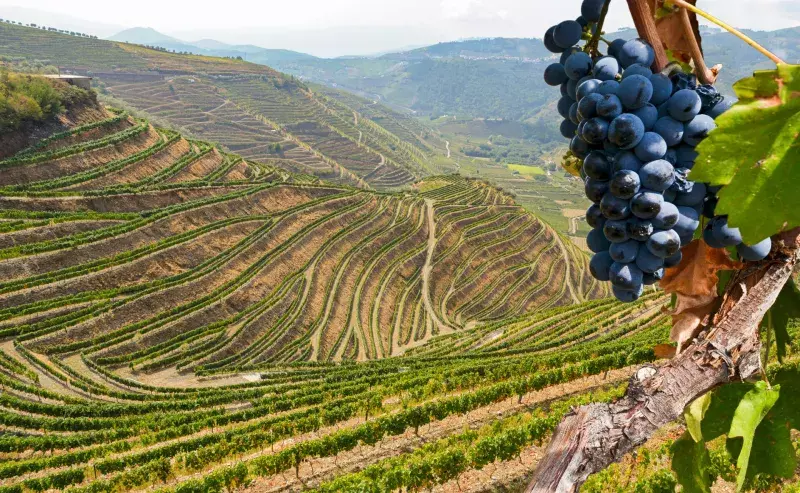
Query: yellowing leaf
[670,30]
[664,351]
[694,415]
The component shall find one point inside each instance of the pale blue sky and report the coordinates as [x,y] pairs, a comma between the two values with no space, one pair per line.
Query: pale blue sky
[337,27]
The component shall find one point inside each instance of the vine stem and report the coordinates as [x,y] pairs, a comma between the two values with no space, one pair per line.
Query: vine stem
[705,75]
[730,29]
[594,43]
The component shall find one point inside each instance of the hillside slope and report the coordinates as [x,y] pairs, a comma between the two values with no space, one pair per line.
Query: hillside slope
[136,245]
[250,109]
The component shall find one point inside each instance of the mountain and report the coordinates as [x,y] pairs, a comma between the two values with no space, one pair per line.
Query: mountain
[250,109]
[208,47]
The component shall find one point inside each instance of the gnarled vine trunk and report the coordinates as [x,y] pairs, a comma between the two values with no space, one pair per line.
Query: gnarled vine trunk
[592,437]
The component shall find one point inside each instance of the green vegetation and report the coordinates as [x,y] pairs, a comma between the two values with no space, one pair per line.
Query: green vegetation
[29,99]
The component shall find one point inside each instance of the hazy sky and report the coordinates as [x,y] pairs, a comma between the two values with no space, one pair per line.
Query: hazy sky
[338,27]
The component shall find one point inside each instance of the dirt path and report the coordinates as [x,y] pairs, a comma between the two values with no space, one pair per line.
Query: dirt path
[447,146]
[316,471]
[568,272]
[426,272]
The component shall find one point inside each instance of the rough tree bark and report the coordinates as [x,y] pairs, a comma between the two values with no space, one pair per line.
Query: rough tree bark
[592,437]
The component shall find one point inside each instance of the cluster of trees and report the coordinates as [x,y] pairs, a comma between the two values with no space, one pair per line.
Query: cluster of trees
[52,29]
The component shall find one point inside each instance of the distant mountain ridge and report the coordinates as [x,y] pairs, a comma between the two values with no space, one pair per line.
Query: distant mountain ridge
[209,47]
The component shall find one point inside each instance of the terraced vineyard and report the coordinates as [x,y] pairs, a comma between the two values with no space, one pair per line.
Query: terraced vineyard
[176,317]
[249,109]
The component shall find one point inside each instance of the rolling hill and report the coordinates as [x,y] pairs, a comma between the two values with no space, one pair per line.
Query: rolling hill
[250,109]
[178,318]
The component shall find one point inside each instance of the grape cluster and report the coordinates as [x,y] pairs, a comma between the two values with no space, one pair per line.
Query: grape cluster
[636,132]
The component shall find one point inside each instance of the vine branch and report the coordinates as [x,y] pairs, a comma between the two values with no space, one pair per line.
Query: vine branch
[595,436]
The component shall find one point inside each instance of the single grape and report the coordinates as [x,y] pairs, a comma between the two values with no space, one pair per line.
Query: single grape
[670,194]
[698,129]
[572,89]
[567,34]
[625,184]
[657,175]
[616,231]
[582,21]
[615,208]
[626,276]
[663,108]
[708,237]
[670,129]
[595,189]
[600,266]
[754,253]
[673,261]
[648,114]
[608,87]
[725,234]
[682,80]
[550,43]
[587,87]
[574,116]
[693,198]
[662,89]
[565,90]
[579,65]
[615,47]
[554,74]
[721,107]
[646,204]
[635,91]
[595,131]
[637,69]
[563,58]
[597,166]
[627,160]
[648,262]
[626,131]
[606,69]
[568,129]
[651,148]
[667,217]
[624,253]
[597,241]
[579,147]
[684,105]
[688,222]
[595,217]
[664,243]
[591,10]
[587,107]
[650,279]
[640,229]
[564,104]
[636,51]
[609,107]
[628,295]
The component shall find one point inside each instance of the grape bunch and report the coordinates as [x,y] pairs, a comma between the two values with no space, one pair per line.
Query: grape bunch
[636,133]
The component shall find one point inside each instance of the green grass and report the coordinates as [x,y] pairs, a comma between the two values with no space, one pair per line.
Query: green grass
[526,170]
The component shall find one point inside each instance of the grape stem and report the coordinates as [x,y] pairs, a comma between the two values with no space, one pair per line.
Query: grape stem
[705,75]
[730,29]
[592,45]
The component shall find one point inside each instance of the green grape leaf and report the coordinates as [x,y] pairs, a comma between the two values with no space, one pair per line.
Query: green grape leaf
[772,452]
[694,415]
[786,307]
[718,416]
[754,152]
[749,413]
[692,464]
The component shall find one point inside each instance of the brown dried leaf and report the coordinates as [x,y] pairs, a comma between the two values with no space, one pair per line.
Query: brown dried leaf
[694,281]
[670,30]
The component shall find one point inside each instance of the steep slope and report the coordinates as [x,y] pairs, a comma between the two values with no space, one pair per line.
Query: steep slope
[136,245]
[250,109]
